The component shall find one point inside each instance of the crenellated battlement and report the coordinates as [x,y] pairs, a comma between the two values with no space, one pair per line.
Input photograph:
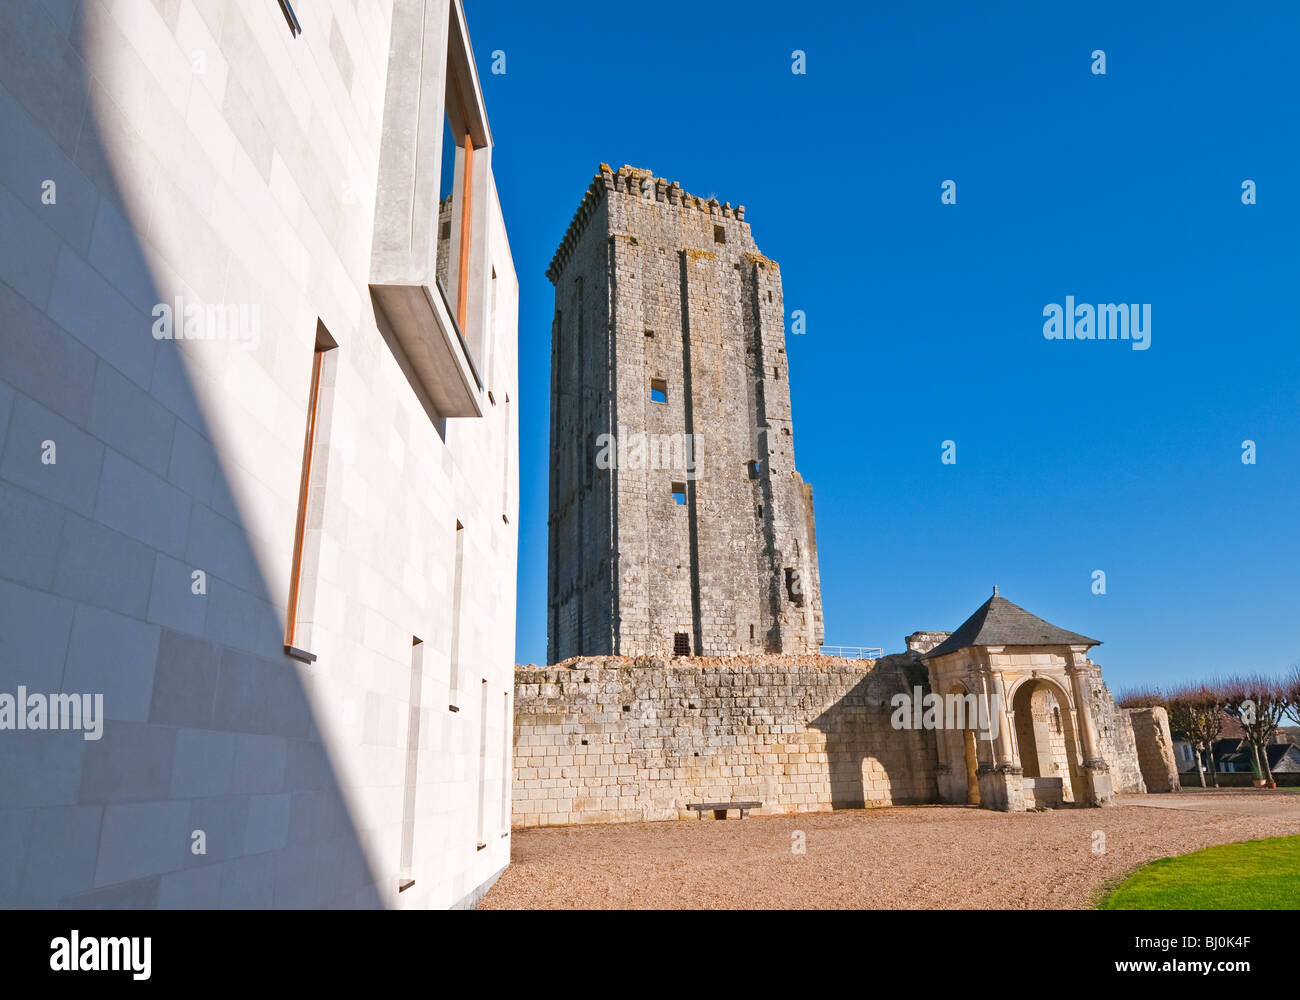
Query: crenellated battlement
[669,326]
[638,183]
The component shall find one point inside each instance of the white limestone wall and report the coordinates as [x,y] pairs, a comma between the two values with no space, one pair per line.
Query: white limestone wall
[199,150]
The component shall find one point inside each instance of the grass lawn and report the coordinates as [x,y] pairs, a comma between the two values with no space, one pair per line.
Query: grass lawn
[1254,875]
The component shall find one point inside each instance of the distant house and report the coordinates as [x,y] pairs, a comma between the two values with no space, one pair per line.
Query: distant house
[1234,756]
[1185,753]
[1232,751]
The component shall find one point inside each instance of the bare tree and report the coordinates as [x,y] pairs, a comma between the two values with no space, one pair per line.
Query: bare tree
[1258,703]
[1141,697]
[1290,685]
[1195,712]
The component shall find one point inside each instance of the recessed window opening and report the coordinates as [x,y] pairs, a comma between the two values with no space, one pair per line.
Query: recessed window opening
[754,468]
[406,878]
[482,763]
[456,203]
[505,472]
[453,686]
[719,234]
[295,29]
[506,766]
[658,390]
[794,585]
[305,568]
[681,644]
[679,494]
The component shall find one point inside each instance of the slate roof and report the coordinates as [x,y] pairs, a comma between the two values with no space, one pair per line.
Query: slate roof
[1283,758]
[998,622]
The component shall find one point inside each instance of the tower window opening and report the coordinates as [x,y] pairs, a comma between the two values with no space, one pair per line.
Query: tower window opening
[719,234]
[794,585]
[681,644]
[679,494]
[754,467]
[658,390]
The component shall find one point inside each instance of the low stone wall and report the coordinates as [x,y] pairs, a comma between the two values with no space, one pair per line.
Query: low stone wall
[616,739]
[1240,779]
[1155,748]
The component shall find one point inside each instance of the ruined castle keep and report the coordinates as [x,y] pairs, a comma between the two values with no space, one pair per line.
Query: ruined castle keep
[685,617]
[602,739]
[678,522]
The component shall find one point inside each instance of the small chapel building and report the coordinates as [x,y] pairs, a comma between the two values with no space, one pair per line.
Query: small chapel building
[1040,746]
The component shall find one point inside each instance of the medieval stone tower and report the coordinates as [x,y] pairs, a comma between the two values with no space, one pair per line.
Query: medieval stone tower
[678,524]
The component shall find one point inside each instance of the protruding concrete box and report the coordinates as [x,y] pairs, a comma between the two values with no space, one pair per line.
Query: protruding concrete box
[432,88]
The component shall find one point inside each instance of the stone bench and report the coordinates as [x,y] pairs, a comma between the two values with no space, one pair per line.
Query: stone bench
[719,809]
[1044,793]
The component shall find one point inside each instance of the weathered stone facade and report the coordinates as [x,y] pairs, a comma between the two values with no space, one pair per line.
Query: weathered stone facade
[1116,739]
[1154,748]
[616,739]
[677,519]
[1008,712]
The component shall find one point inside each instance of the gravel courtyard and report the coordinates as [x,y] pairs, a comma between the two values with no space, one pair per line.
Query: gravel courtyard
[911,857]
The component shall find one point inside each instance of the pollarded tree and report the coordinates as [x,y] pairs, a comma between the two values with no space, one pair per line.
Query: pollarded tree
[1258,703]
[1141,697]
[1291,693]
[1196,713]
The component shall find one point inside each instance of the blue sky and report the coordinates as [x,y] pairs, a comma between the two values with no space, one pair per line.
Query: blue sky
[925,321]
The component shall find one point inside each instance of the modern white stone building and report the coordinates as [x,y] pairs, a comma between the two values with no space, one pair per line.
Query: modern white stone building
[258,478]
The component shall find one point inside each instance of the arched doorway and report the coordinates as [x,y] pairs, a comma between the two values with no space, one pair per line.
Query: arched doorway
[1044,731]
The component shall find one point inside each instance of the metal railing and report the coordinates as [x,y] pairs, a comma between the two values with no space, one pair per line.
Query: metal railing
[854,652]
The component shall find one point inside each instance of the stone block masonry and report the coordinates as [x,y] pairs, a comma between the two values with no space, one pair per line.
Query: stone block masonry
[1116,738]
[618,739]
[669,339]
[1155,748]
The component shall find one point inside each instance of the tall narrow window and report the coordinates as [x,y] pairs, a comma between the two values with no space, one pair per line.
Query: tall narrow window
[467,201]
[406,873]
[303,573]
[464,140]
[457,585]
[490,340]
[506,761]
[508,437]
[482,764]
